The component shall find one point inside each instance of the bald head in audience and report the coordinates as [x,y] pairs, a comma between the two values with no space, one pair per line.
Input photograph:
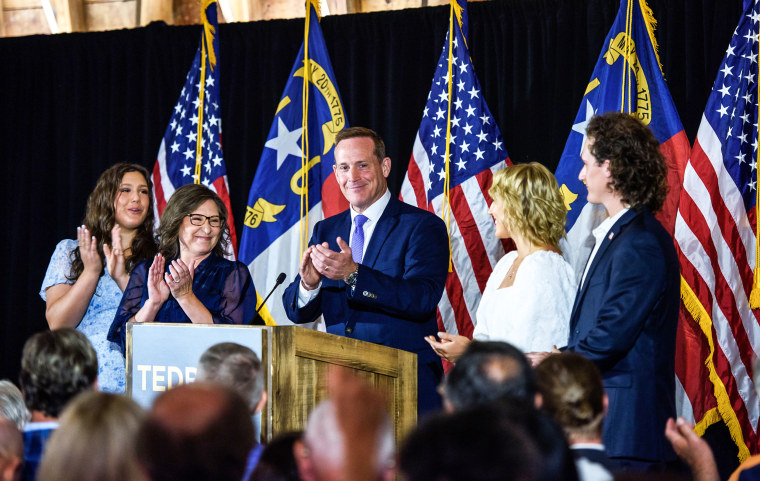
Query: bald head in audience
[198,431]
[322,455]
[11,451]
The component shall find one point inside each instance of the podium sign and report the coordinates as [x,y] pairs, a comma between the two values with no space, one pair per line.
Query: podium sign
[163,355]
[294,360]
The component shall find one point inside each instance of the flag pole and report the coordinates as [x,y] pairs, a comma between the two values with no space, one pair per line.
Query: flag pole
[754,295]
[446,208]
[304,223]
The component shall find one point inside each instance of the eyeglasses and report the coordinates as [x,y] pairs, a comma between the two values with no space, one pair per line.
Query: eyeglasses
[200,219]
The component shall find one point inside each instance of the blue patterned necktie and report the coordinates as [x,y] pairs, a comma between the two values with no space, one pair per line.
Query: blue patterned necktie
[357,241]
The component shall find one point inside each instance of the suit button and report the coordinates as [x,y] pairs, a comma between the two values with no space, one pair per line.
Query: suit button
[349,329]
[577,331]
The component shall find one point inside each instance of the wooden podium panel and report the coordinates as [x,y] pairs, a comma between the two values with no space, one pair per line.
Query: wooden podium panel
[299,359]
[295,361]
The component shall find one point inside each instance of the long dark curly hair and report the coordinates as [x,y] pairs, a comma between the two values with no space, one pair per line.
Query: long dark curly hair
[100,219]
[639,171]
[182,202]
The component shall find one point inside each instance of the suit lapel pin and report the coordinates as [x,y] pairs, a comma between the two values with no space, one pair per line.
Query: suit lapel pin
[612,234]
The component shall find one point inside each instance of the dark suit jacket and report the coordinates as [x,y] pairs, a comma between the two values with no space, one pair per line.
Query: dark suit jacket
[400,282]
[624,320]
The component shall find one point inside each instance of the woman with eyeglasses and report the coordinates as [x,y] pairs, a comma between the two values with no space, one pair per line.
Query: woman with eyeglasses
[86,275]
[189,280]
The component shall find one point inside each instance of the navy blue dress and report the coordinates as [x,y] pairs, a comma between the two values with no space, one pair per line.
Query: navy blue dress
[224,287]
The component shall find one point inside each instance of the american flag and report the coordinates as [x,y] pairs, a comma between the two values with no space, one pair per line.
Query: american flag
[716,240]
[627,78]
[279,203]
[476,150]
[182,157]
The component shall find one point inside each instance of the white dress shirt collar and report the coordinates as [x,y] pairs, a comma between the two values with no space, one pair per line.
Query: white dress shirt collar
[599,234]
[374,211]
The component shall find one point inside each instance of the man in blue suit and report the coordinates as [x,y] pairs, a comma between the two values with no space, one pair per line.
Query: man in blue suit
[376,271]
[626,310]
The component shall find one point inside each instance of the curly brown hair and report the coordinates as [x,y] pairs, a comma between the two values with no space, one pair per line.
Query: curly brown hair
[532,202]
[638,168]
[182,202]
[100,219]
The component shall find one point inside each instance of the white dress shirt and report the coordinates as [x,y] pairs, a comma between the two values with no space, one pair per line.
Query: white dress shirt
[599,234]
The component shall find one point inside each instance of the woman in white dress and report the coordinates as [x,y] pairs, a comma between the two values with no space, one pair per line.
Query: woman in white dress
[529,295]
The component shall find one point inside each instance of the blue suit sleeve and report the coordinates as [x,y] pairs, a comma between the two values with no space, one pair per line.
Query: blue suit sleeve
[636,285]
[418,290]
[311,311]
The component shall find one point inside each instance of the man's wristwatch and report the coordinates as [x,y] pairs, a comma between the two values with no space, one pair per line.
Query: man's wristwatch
[351,279]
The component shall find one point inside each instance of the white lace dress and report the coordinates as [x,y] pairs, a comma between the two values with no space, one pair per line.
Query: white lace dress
[533,314]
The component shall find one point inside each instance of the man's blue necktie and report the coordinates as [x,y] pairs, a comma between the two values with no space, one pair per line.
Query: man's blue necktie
[357,241]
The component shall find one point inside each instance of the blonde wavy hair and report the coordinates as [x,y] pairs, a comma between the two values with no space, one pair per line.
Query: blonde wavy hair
[531,201]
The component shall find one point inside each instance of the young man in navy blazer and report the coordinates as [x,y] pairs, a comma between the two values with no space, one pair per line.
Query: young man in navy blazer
[375,272]
[626,310]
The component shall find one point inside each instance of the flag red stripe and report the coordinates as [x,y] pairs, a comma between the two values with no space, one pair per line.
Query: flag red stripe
[468,229]
[221,190]
[158,189]
[455,294]
[418,184]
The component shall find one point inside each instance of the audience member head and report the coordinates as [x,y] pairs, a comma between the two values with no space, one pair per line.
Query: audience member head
[277,461]
[527,201]
[94,441]
[56,366]
[637,168]
[12,404]
[236,367]
[322,457]
[571,392]
[11,451]
[488,371]
[184,201]
[556,458]
[102,213]
[477,443]
[198,432]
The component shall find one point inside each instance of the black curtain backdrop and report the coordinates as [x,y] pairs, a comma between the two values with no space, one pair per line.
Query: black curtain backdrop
[74,104]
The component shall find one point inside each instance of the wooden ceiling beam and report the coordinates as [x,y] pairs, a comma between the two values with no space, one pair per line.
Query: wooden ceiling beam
[154,10]
[2,20]
[64,15]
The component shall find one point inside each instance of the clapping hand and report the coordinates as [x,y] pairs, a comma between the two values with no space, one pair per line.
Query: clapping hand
[158,289]
[309,276]
[450,347]
[331,264]
[180,278]
[88,252]
[115,259]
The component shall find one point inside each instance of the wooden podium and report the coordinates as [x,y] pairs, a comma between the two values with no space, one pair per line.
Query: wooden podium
[295,361]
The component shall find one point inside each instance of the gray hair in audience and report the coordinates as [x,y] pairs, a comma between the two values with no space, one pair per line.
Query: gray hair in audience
[12,404]
[324,438]
[236,367]
[11,446]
